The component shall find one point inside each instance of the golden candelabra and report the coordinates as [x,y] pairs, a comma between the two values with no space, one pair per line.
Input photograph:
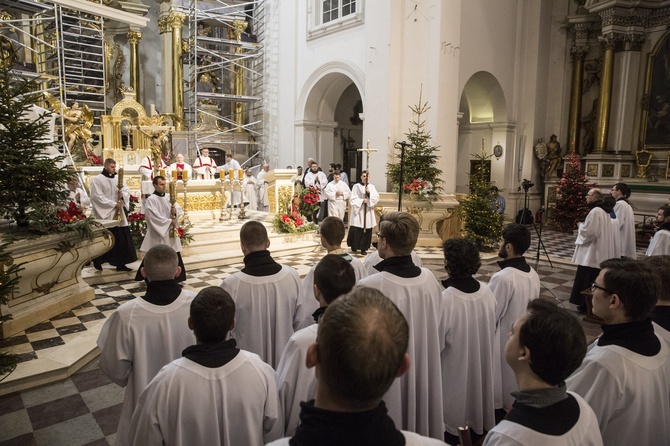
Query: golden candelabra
[173,212]
[119,186]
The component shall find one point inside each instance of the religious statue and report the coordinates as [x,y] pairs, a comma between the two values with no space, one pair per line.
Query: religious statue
[8,54]
[77,131]
[156,128]
[554,157]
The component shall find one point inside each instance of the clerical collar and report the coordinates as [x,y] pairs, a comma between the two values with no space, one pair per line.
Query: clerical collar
[160,194]
[541,397]
[401,266]
[318,313]
[212,355]
[637,337]
[260,263]
[326,427]
[515,262]
[162,292]
[107,174]
[465,284]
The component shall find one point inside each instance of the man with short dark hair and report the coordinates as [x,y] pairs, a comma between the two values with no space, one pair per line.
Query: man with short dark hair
[626,218]
[146,333]
[361,348]
[332,277]
[331,234]
[414,401]
[660,243]
[594,244]
[545,346]
[267,295]
[513,286]
[317,179]
[162,223]
[337,193]
[467,359]
[625,376]
[212,377]
[364,198]
[109,203]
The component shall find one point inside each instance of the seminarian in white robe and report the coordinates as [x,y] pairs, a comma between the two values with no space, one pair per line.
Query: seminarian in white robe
[263,202]
[268,307]
[249,192]
[467,360]
[362,216]
[414,400]
[337,193]
[235,195]
[146,169]
[626,218]
[191,404]
[158,215]
[514,286]
[137,340]
[204,167]
[583,433]
[373,259]
[295,381]
[660,242]
[629,392]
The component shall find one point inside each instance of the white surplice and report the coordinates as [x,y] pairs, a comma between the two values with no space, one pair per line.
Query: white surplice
[268,309]
[136,341]
[626,218]
[513,290]
[373,259]
[337,204]
[659,244]
[190,404]
[595,239]
[357,209]
[157,213]
[104,196]
[318,180]
[414,401]
[249,192]
[467,360]
[204,167]
[263,201]
[146,169]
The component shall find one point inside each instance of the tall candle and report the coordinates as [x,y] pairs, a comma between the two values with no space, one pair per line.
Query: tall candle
[120,175]
[173,190]
[174,175]
[240,173]
[230,174]
[162,173]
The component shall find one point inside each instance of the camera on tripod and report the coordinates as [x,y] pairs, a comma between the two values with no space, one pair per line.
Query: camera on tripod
[526,184]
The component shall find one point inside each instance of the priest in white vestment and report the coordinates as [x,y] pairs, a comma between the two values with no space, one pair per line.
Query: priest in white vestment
[267,296]
[146,333]
[204,166]
[263,202]
[146,168]
[360,351]
[514,286]
[625,376]
[467,359]
[364,198]
[415,400]
[594,244]
[660,242]
[337,193]
[626,218]
[216,394]
[162,222]
[182,168]
[333,276]
[232,164]
[317,179]
[249,191]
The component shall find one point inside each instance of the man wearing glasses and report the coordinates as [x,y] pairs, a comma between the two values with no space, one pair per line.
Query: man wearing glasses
[594,244]
[625,376]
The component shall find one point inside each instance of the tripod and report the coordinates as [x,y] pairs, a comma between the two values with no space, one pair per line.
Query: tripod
[526,207]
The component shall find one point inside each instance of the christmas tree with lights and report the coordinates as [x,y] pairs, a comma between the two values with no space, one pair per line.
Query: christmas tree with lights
[570,196]
[481,222]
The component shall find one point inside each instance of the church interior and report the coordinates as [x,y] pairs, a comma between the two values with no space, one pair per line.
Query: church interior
[527,83]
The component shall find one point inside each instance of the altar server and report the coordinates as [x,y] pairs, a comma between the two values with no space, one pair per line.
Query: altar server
[626,218]
[513,286]
[415,400]
[204,166]
[234,165]
[146,169]
[333,276]
[364,198]
[146,333]
[249,190]
[216,394]
[625,376]
[660,242]
[263,203]
[267,296]
[467,360]
[337,193]
[110,203]
[182,168]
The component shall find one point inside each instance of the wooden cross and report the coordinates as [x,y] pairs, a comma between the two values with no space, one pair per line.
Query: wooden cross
[155,128]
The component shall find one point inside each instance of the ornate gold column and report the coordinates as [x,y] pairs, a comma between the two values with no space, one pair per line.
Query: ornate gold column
[235,32]
[578,52]
[134,40]
[608,42]
[176,21]
[39,48]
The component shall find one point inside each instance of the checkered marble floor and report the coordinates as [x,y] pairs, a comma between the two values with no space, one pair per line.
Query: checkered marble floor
[84,409]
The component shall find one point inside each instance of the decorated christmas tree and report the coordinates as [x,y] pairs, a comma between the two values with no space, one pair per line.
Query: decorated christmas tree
[570,196]
[482,224]
[420,175]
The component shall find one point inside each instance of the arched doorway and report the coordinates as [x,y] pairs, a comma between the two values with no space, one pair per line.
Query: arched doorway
[484,119]
[331,128]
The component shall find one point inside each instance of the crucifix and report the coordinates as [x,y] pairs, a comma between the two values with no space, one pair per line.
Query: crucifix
[156,129]
[367,151]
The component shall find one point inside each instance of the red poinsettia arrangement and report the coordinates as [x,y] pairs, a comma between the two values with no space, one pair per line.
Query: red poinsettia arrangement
[417,185]
[71,215]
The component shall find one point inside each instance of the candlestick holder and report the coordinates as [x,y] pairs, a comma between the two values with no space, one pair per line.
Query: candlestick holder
[224,183]
[186,221]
